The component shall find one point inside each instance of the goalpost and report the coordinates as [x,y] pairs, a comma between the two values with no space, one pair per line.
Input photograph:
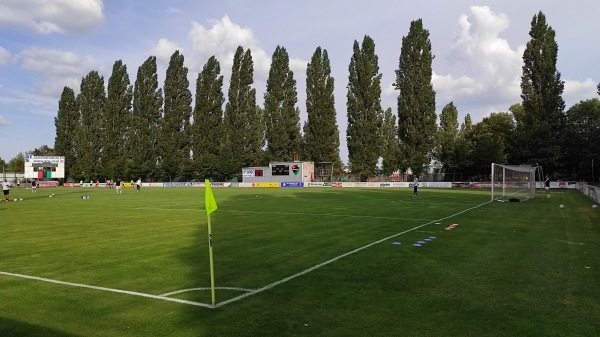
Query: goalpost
[513,182]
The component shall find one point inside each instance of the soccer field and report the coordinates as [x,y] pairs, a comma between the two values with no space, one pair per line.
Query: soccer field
[298,262]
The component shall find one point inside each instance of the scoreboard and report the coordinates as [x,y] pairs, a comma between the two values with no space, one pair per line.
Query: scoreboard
[280,170]
[44,167]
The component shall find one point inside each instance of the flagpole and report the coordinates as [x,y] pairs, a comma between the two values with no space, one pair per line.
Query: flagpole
[210,205]
[212,266]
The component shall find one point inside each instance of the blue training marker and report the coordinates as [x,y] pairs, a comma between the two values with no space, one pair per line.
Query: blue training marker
[416,245]
[396,243]
[432,237]
[421,242]
[428,239]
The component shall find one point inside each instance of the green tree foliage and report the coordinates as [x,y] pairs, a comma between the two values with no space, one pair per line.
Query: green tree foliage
[207,130]
[90,101]
[174,140]
[43,150]
[16,164]
[117,118]
[145,122]
[282,117]
[389,143]
[242,120]
[540,125]
[463,148]
[416,101]
[321,141]
[447,137]
[490,139]
[364,109]
[66,123]
[582,146]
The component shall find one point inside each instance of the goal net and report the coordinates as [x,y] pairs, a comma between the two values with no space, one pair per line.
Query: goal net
[513,182]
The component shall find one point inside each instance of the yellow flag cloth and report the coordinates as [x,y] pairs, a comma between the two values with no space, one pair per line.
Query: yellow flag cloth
[209,199]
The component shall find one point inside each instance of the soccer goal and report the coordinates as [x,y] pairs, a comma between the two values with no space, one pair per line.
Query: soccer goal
[513,182]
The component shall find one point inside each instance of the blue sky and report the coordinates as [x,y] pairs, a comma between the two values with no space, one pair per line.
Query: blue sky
[478,46]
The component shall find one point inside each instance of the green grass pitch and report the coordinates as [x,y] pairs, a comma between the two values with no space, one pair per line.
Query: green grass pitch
[298,262]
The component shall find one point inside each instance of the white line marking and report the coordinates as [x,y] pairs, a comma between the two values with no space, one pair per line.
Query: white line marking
[206,288]
[306,271]
[158,297]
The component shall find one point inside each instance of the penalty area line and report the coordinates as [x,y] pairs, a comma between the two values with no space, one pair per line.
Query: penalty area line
[127,292]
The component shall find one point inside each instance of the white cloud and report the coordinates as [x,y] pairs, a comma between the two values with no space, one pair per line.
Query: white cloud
[57,16]
[492,62]
[3,121]
[4,56]
[56,69]
[576,91]
[164,49]
[222,40]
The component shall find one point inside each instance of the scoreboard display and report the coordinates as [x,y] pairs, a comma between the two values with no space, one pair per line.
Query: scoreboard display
[44,167]
[280,170]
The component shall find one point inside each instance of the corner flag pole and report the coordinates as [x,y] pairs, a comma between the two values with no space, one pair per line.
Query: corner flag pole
[210,205]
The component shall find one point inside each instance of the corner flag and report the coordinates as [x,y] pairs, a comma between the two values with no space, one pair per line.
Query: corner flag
[209,199]
[210,205]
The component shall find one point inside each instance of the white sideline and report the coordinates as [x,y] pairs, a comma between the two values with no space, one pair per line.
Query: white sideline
[249,292]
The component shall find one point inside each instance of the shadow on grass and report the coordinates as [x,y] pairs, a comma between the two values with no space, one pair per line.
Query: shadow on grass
[13,328]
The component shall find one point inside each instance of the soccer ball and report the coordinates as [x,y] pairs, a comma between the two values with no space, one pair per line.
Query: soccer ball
[562,206]
[21,199]
[594,206]
[15,200]
[50,196]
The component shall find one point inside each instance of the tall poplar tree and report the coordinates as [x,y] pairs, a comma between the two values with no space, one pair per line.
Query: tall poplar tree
[117,115]
[90,101]
[447,137]
[174,141]
[145,121]
[321,141]
[207,129]
[540,125]
[416,101]
[364,109]
[389,145]
[242,120]
[67,124]
[282,117]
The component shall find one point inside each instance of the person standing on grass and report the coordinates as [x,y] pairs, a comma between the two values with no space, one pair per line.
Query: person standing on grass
[5,189]
[33,186]
[415,186]
[138,184]
[547,184]
[118,185]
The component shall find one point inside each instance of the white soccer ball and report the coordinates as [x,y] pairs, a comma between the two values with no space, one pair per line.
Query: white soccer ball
[15,200]
[21,199]
[594,206]
[50,196]
[562,206]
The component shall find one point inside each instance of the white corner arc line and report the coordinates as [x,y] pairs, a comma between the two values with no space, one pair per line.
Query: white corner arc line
[158,297]
[306,271]
[205,288]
